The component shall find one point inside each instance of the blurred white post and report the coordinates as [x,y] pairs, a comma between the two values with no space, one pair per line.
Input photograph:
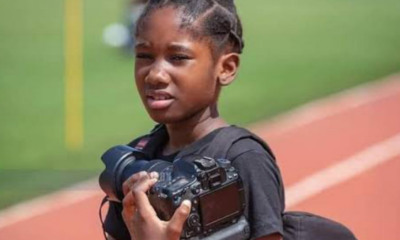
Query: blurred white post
[73,44]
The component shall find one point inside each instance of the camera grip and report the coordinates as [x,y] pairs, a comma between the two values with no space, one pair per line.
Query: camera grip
[237,231]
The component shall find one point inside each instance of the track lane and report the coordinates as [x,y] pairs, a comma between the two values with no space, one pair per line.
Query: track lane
[315,146]
[78,221]
[368,204]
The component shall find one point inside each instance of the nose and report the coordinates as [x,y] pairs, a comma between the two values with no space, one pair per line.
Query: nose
[157,76]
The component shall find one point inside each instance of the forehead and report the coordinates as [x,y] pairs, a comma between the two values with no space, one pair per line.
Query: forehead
[161,19]
[164,26]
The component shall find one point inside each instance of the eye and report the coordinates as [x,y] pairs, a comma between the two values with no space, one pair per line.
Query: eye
[144,56]
[180,57]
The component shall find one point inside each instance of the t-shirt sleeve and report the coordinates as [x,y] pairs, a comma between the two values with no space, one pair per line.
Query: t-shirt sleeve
[263,188]
[114,225]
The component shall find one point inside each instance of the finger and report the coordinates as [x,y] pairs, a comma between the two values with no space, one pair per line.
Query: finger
[142,203]
[127,185]
[129,206]
[178,220]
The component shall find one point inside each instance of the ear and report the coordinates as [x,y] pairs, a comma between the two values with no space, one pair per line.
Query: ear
[229,64]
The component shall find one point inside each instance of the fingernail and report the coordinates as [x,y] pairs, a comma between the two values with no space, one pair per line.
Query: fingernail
[142,174]
[187,203]
[154,175]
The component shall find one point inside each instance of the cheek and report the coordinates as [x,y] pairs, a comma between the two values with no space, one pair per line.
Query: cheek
[140,87]
[201,90]
[139,78]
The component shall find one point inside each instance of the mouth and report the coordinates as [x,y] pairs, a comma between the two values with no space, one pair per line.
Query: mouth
[159,100]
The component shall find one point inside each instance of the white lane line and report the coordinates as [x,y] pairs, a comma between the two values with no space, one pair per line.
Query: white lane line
[329,106]
[351,167]
[305,114]
[49,203]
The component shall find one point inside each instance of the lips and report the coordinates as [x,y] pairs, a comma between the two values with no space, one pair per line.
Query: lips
[158,100]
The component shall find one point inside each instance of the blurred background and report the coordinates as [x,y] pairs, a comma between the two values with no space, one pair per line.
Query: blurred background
[296,51]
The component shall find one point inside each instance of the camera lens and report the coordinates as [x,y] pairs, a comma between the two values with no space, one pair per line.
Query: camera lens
[121,162]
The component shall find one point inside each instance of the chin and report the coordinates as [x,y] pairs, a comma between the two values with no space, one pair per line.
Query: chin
[167,118]
[163,118]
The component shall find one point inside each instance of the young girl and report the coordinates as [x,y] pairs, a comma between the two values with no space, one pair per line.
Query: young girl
[186,51]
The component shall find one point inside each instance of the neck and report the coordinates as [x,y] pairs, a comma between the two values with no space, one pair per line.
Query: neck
[190,130]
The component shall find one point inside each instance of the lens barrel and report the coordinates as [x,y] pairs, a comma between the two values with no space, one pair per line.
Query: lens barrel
[121,162]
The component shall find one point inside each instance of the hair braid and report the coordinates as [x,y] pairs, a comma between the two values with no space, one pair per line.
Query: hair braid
[216,19]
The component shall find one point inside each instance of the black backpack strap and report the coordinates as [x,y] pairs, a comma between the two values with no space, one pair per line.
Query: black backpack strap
[226,137]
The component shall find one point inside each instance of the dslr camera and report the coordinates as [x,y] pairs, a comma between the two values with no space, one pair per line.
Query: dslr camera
[212,185]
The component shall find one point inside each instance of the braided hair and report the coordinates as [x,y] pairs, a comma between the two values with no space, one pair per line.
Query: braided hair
[216,21]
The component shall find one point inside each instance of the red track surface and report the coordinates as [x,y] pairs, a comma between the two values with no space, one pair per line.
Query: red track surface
[369,203]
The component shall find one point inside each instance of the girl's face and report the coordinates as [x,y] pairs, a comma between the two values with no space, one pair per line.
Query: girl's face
[175,75]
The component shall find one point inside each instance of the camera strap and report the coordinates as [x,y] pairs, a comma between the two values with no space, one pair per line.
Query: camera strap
[150,142]
[104,201]
[142,143]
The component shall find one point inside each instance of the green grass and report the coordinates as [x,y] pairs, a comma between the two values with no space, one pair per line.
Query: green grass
[295,52]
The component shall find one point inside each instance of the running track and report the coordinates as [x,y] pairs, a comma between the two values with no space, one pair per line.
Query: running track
[340,157]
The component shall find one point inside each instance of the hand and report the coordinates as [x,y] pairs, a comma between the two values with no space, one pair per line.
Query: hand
[141,218]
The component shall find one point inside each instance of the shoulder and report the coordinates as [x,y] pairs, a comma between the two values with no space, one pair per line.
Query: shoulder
[150,133]
[245,145]
[250,157]
[134,142]
[253,159]
[248,143]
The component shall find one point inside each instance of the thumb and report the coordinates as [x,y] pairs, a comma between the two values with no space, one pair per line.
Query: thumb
[178,220]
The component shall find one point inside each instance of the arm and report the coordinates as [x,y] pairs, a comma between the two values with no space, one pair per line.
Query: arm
[263,189]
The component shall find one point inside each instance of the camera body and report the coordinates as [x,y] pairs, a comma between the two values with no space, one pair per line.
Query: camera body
[212,185]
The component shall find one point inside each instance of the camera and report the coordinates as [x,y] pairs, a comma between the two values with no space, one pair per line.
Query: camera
[212,185]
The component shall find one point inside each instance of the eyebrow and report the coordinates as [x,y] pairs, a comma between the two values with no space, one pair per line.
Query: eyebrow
[142,45]
[179,48]
[175,47]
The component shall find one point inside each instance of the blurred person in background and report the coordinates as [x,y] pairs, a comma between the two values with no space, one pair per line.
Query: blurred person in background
[135,9]
[121,35]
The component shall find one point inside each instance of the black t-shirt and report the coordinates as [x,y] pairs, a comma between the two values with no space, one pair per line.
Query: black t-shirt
[261,179]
